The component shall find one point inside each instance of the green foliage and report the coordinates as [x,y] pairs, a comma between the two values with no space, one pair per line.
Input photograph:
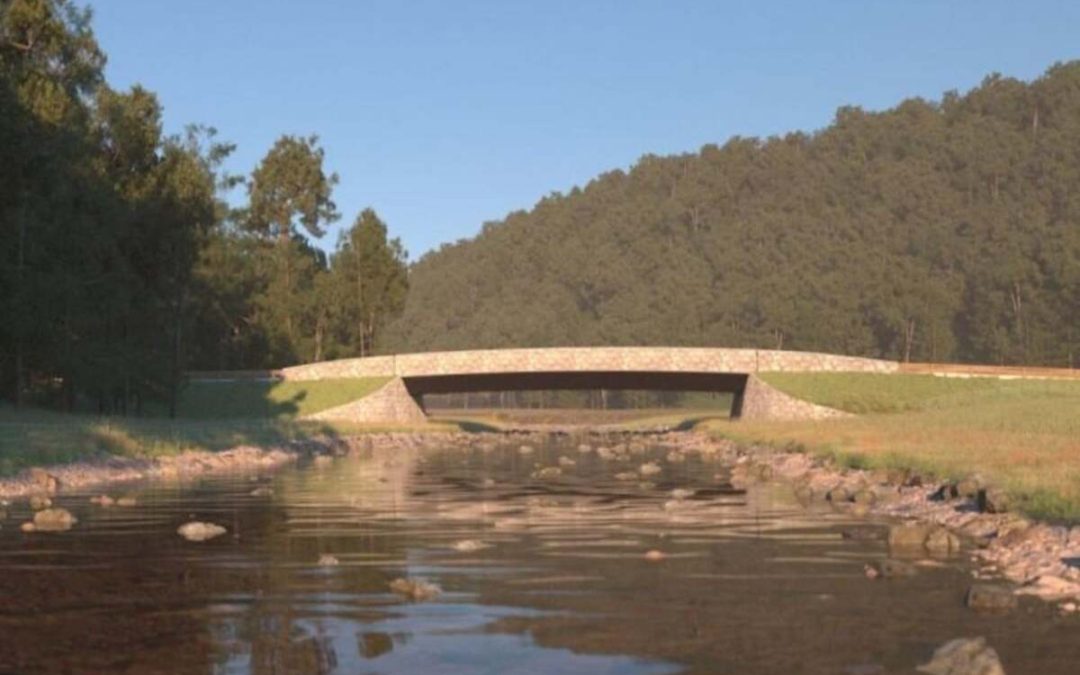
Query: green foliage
[934,231]
[120,264]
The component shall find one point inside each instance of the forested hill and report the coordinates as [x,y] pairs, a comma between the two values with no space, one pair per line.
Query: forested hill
[936,231]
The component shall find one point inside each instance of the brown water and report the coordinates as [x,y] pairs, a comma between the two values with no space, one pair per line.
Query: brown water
[752,582]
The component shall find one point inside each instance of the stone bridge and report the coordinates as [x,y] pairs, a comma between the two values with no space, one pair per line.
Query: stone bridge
[649,368]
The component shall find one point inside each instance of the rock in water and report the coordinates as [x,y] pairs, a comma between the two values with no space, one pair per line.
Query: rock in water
[262,492]
[941,542]
[197,531]
[327,560]
[53,520]
[102,500]
[469,545]
[964,656]
[909,537]
[990,597]
[654,555]
[38,502]
[649,468]
[126,501]
[889,569]
[416,590]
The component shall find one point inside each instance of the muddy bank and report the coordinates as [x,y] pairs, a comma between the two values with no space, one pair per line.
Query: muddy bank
[1035,558]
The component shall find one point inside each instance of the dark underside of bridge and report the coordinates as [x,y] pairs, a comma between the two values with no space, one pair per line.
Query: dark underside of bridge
[734,383]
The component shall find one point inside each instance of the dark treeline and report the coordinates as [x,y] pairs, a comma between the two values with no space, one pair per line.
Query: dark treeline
[122,267]
[933,231]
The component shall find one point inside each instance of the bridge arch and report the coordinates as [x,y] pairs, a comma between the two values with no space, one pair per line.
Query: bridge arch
[655,368]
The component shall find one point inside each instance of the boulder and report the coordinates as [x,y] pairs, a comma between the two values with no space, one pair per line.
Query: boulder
[53,520]
[838,495]
[990,597]
[964,656]
[865,496]
[992,500]
[942,542]
[44,480]
[909,536]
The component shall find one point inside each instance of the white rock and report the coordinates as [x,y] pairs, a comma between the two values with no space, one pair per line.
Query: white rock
[199,531]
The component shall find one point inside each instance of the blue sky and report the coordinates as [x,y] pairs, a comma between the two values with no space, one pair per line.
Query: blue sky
[443,115]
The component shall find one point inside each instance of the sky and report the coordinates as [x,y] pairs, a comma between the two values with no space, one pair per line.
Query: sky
[445,115]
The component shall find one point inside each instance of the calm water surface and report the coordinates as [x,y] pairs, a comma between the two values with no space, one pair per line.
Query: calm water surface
[752,582]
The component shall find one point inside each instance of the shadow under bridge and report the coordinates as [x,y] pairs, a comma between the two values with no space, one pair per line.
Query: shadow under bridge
[467,383]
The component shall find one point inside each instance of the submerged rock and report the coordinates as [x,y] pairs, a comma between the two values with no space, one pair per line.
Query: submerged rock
[649,468]
[53,520]
[909,536]
[39,502]
[469,545]
[417,590]
[199,531]
[889,569]
[863,533]
[327,560]
[263,491]
[126,501]
[964,656]
[567,462]
[526,449]
[323,461]
[990,597]
[655,555]
[102,500]
[547,472]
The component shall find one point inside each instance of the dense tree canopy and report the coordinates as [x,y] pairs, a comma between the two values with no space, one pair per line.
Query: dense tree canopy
[121,267]
[931,231]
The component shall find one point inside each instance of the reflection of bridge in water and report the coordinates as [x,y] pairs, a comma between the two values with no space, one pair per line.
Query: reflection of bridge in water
[412,376]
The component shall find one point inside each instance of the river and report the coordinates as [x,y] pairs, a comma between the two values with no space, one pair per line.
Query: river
[540,570]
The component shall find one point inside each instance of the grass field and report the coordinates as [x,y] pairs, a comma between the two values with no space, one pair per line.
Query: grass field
[1021,435]
[212,416]
[269,399]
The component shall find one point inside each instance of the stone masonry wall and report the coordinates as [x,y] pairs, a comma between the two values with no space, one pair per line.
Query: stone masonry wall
[581,359]
[390,404]
[763,402]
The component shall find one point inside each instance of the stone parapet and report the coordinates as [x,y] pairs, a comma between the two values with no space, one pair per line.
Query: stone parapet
[587,359]
[759,401]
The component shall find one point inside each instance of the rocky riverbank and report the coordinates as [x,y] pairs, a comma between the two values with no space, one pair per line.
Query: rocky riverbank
[39,481]
[931,518]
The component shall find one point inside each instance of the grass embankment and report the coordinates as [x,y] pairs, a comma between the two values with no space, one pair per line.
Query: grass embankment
[1020,435]
[212,416]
